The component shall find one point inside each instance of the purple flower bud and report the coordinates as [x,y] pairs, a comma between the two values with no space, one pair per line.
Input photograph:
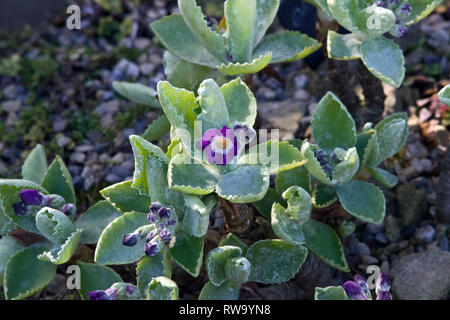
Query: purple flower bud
[397,20]
[47,201]
[354,291]
[131,239]
[151,249]
[150,236]
[130,290]
[20,208]
[381,4]
[229,57]
[164,213]
[68,209]
[400,31]
[108,294]
[210,21]
[152,217]
[383,283]
[171,222]
[31,197]
[384,295]
[405,9]
[363,284]
[334,157]
[320,154]
[155,206]
[165,235]
[327,169]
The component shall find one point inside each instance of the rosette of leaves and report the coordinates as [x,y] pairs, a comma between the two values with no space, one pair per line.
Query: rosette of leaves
[367,22]
[288,207]
[98,282]
[133,198]
[234,46]
[191,170]
[333,131]
[46,208]
[233,263]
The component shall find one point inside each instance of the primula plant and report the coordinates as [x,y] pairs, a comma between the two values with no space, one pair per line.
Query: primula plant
[234,46]
[368,22]
[42,204]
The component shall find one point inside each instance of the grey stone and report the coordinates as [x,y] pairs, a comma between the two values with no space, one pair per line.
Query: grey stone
[412,204]
[363,249]
[443,244]
[112,178]
[392,229]
[417,150]
[381,238]
[10,92]
[422,275]
[425,235]
[63,141]
[78,157]
[374,228]
[146,69]
[365,259]
[11,106]
[59,125]
[132,70]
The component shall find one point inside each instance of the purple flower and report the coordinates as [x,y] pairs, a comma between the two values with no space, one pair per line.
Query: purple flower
[363,284]
[400,31]
[130,290]
[354,291]
[320,154]
[220,146]
[68,209]
[405,9]
[165,235]
[20,208]
[384,295]
[150,236]
[31,197]
[131,239]
[171,222]
[155,206]
[47,201]
[108,294]
[164,213]
[229,57]
[151,249]
[152,217]
[383,283]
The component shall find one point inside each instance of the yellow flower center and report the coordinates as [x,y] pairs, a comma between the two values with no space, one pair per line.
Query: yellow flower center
[221,143]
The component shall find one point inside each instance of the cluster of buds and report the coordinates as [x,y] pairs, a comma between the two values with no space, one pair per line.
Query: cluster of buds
[118,291]
[32,200]
[402,10]
[327,163]
[359,290]
[158,233]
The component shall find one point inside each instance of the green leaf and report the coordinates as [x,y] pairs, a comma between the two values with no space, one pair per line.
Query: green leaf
[110,249]
[214,113]
[157,129]
[287,46]
[8,247]
[6,225]
[363,200]
[332,125]
[183,74]
[265,15]
[366,146]
[373,54]
[95,277]
[375,21]
[195,19]
[343,46]
[226,291]
[323,196]
[325,243]
[245,184]
[298,176]
[188,252]
[126,198]
[322,5]
[285,227]
[62,252]
[162,288]
[312,165]
[385,178]
[189,177]
[346,12]
[178,105]
[275,261]
[391,136]
[57,180]
[196,215]
[444,95]
[345,170]
[253,66]
[240,102]
[54,225]
[95,220]
[10,194]
[275,155]
[35,165]
[420,9]
[232,240]
[176,36]
[216,260]
[137,92]
[330,293]
[152,267]
[264,206]
[25,274]
[240,16]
